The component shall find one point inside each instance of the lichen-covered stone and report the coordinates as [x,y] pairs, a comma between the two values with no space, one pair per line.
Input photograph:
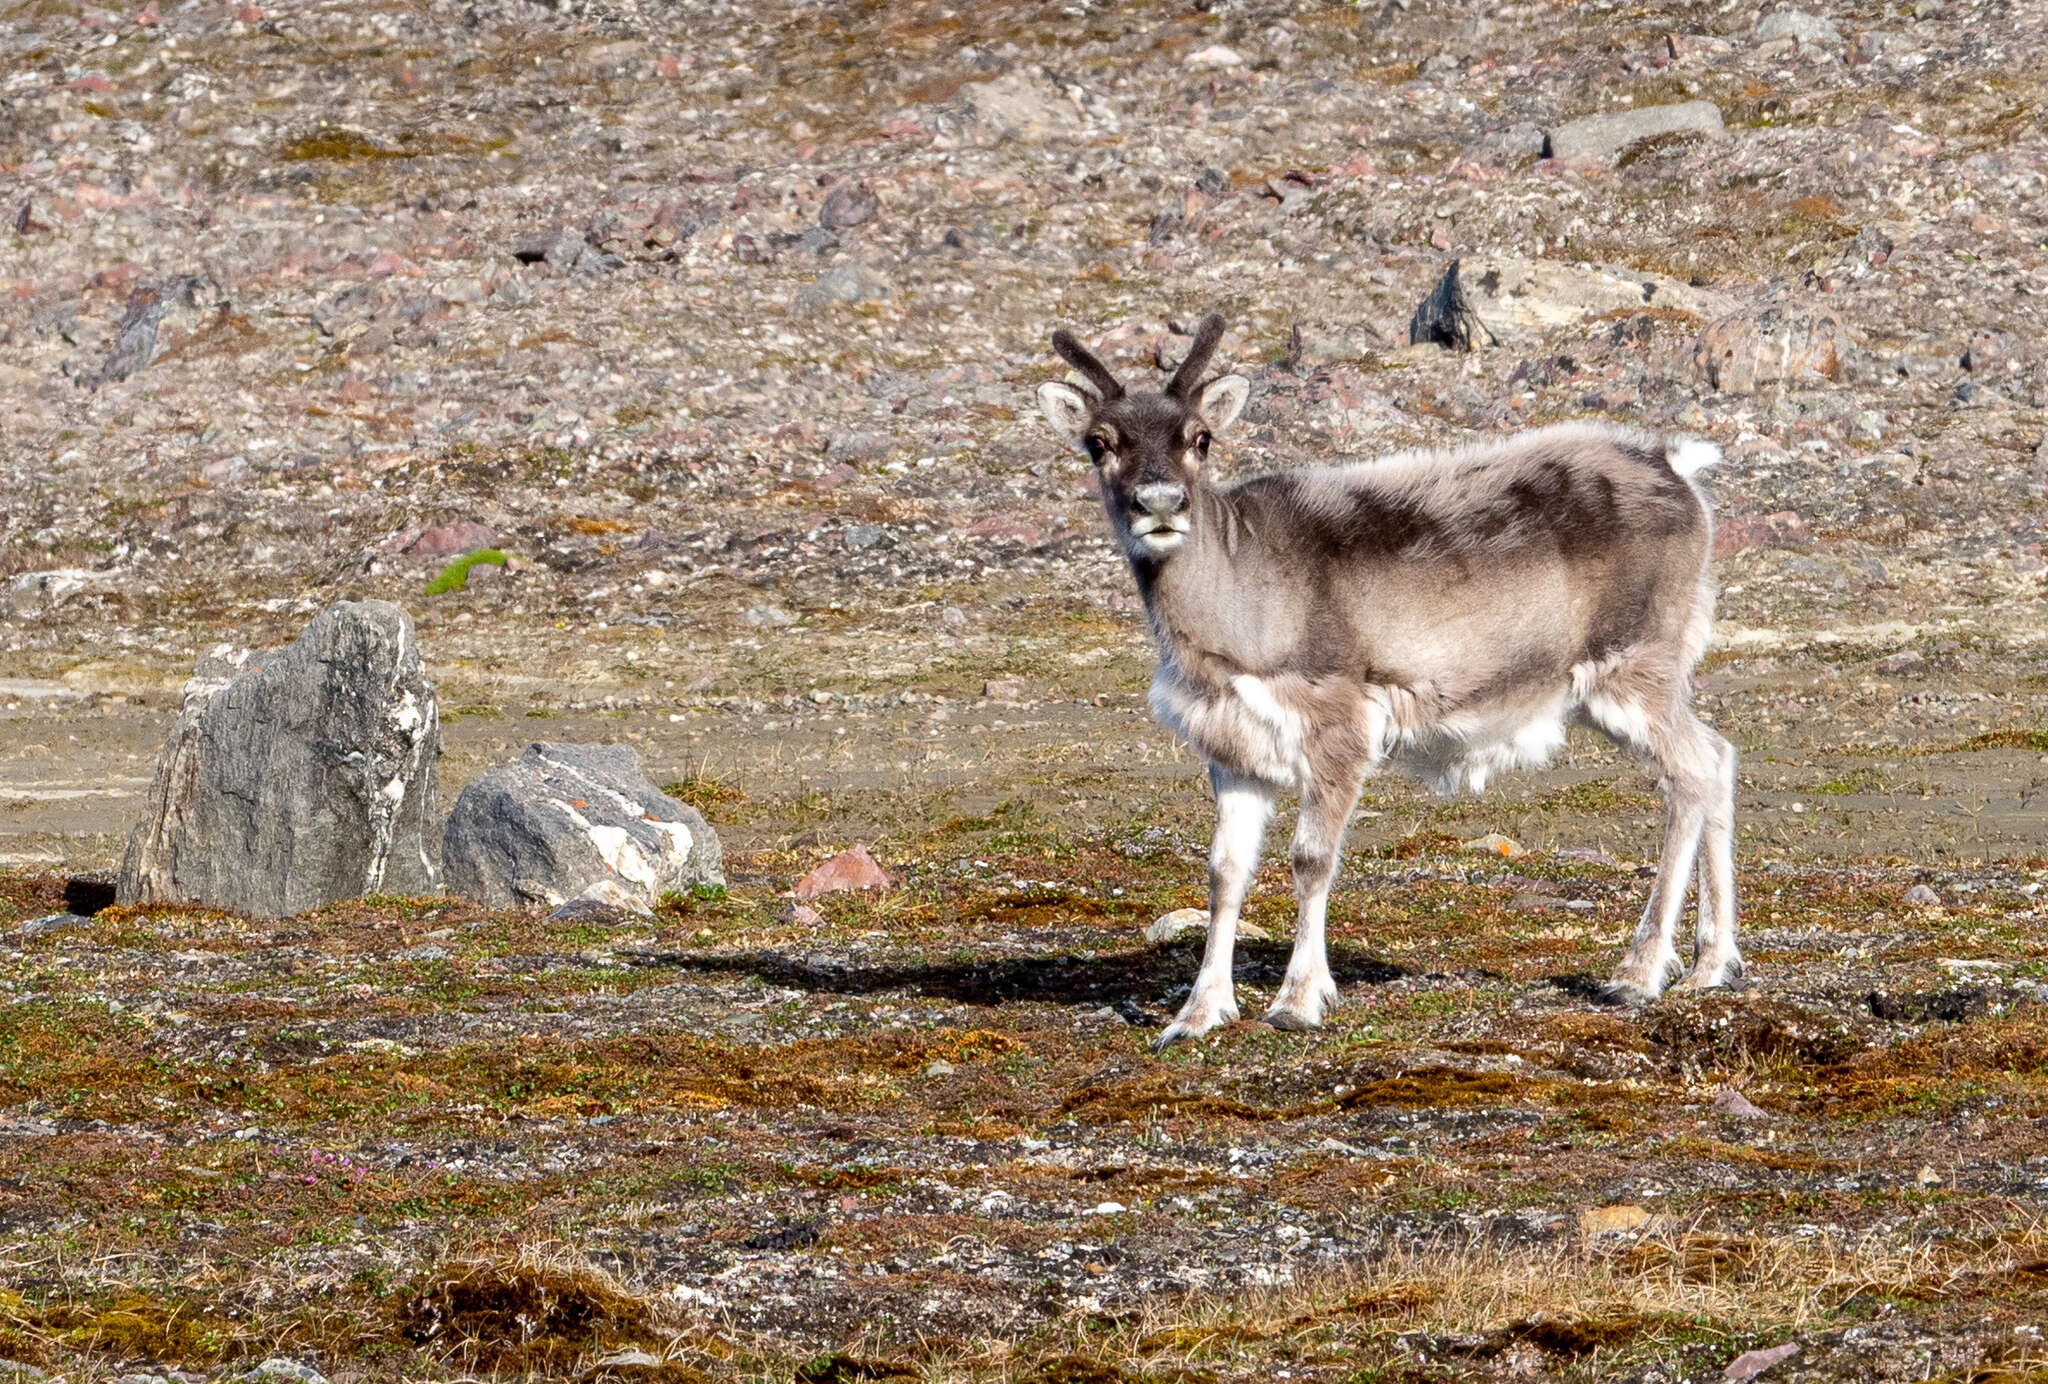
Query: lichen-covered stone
[299,776]
[576,821]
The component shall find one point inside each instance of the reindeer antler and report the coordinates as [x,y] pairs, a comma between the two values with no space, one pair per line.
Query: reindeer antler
[1082,359]
[1206,336]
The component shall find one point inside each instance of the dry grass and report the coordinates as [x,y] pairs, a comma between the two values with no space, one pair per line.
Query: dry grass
[1571,1299]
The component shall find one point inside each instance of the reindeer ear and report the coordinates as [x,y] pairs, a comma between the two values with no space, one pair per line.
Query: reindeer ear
[1065,408]
[1222,400]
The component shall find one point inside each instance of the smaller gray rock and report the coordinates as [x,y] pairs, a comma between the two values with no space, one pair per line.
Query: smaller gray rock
[562,247]
[49,923]
[767,617]
[861,537]
[36,593]
[1603,138]
[845,283]
[573,821]
[278,1370]
[1904,661]
[1799,25]
[592,912]
[1920,896]
[1732,1102]
[849,205]
[859,446]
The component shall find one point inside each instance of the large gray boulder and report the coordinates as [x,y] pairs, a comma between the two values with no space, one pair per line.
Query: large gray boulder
[576,821]
[297,777]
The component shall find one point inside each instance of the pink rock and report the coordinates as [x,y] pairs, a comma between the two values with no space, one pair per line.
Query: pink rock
[1740,533]
[667,66]
[843,873]
[443,540]
[1005,528]
[803,915]
[1752,1363]
[1733,1102]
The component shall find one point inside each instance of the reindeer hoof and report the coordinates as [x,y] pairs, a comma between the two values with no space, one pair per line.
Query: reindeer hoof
[1719,976]
[1288,1021]
[1186,1026]
[1632,993]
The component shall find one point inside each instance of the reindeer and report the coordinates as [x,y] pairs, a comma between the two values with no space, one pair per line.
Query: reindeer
[1447,613]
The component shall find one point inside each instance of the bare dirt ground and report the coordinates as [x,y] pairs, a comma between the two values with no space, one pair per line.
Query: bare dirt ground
[721,323]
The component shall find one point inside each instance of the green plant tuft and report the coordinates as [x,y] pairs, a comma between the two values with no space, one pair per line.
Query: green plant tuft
[455,576]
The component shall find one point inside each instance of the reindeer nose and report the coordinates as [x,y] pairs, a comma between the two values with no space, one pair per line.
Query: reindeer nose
[1162,499]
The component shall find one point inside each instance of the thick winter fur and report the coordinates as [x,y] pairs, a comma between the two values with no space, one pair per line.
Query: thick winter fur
[1446,613]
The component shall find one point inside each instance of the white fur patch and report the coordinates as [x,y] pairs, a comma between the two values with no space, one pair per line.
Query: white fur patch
[1692,456]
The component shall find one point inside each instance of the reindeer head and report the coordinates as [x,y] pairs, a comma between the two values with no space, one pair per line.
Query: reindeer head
[1148,448]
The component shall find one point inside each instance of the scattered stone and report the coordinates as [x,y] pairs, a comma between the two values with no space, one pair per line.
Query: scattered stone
[562,247]
[1742,532]
[1732,1102]
[849,205]
[1533,901]
[1519,299]
[1022,106]
[1517,146]
[38,593]
[49,923]
[593,912]
[1171,927]
[1779,343]
[846,872]
[1493,843]
[1612,1220]
[1920,896]
[278,1370]
[1005,689]
[846,283]
[1928,1177]
[767,617]
[1603,138]
[938,1066]
[1752,1363]
[1106,1208]
[1444,318]
[1904,661]
[568,821]
[1214,56]
[1864,49]
[1314,344]
[447,540]
[859,446]
[135,347]
[297,777]
[1797,25]
[860,537]
[802,915]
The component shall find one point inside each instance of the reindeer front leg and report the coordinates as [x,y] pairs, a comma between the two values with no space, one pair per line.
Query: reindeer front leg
[1243,807]
[1308,988]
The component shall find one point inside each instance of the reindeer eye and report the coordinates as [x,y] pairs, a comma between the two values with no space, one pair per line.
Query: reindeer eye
[1096,446]
[1202,443]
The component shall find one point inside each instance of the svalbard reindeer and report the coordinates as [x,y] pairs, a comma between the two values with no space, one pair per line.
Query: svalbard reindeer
[1448,613]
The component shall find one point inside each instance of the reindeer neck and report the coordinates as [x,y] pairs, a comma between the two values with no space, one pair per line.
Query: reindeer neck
[1191,599]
